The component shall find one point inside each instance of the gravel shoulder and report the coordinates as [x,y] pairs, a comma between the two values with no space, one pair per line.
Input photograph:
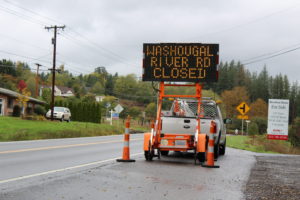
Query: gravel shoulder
[274,177]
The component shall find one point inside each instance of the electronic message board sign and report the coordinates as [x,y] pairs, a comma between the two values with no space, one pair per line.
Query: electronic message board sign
[180,62]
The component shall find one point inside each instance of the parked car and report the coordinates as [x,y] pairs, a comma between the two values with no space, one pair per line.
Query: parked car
[60,113]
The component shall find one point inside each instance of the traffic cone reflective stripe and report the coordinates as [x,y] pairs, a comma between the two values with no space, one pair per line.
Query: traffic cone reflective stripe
[210,150]
[126,150]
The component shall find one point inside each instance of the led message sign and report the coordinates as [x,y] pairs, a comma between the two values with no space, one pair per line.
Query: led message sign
[182,62]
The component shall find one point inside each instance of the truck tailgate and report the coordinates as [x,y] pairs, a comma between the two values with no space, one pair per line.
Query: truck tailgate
[184,125]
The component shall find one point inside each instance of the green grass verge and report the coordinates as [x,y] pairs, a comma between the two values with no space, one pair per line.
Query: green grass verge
[16,129]
[260,144]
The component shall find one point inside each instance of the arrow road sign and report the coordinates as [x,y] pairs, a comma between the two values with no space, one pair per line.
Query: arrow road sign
[243,108]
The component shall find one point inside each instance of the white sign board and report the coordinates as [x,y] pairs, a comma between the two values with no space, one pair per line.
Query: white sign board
[278,119]
[119,108]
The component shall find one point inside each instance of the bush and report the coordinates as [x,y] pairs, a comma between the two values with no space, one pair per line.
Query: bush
[16,111]
[39,110]
[236,124]
[262,124]
[253,129]
[294,133]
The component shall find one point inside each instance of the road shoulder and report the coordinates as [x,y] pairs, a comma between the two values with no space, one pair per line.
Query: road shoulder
[274,177]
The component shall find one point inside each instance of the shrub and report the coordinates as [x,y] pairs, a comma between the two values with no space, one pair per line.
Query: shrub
[253,129]
[294,133]
[39,110]
[16,111]
[262,124]
[236,124]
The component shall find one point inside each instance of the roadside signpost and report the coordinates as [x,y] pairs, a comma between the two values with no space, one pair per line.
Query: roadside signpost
[114,114]
[278,119]
[243,108]
[247,122]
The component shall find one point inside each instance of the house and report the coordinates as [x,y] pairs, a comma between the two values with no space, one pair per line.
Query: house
[8,99]
[99,98]
[59,91]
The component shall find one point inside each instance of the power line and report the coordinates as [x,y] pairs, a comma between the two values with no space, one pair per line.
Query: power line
[108,53]
[22,16]
[270,53]
[31,11]
[25,43]
[249,22]
[22,56]
[272,56]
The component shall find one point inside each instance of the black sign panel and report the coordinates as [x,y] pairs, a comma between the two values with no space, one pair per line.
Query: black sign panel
[180,62]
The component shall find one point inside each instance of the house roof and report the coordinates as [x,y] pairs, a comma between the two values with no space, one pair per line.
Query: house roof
[16,94]
[63,89]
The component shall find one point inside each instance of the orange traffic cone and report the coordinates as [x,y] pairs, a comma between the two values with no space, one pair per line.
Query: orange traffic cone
[210,163]
[126,149]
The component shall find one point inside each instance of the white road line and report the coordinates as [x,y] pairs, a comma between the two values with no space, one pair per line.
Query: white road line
[61,170]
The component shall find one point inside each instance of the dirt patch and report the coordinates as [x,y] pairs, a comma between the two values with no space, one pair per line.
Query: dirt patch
[274,177]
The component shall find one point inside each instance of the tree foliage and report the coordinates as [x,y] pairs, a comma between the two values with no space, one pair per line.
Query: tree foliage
[232,98]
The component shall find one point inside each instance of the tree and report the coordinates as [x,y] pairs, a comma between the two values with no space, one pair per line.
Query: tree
[21,85]
[253,129]
[46,95]
[262,85]
[294,133]
[97,88]
[31,84]
[134,112]
[232,98]
[109,85]
[89,98]
[259,108]
[125,86]
[151,111]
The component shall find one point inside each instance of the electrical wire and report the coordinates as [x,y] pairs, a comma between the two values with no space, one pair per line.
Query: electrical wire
[108,53]
[272,56]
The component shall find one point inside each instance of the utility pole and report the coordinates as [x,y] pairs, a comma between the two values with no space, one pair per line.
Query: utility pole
[37,79]
[54,63]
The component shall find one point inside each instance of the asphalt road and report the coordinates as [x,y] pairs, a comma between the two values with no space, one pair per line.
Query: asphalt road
[85,168]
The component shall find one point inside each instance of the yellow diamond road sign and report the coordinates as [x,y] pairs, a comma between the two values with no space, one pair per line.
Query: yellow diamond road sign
[243,108]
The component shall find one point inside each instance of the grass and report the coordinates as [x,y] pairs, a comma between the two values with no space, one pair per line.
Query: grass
[16,129]
[261,144]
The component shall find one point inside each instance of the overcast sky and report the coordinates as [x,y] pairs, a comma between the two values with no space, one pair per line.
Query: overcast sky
[111,33]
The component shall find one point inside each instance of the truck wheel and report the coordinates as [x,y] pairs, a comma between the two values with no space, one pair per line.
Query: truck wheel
[164,153]
[201,157]
[222,148]
[148,155]
[217,148]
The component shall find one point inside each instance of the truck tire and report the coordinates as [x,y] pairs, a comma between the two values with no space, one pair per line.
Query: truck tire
[201,157]
[217,148]
[222,148]
[149,154]
[164,153]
